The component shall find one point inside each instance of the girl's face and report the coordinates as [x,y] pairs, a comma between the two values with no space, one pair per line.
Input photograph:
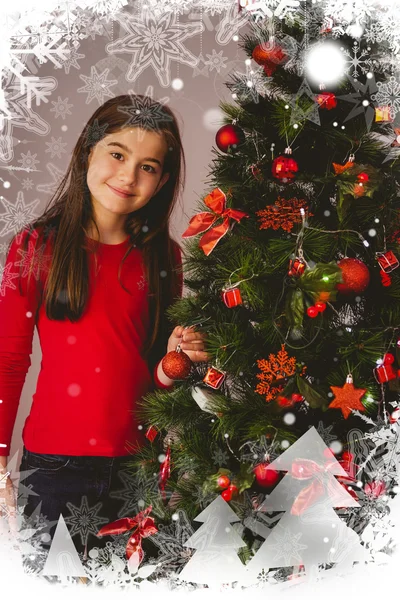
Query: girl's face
[125,170]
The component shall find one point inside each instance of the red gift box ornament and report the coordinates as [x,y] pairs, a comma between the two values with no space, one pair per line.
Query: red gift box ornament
[232,297]
[296,267]
[216,201]
[387,261]
[142,525]
[214,377]
[385,371]
[151,433]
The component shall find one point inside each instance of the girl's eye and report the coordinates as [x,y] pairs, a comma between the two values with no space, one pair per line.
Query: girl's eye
[152,168]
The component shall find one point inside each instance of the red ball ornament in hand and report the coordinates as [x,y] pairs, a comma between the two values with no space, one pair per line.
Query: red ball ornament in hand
[176,364]
[355,275]
[264,476]
[229,138]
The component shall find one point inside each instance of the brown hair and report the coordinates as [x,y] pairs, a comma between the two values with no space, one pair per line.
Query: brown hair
[66,221]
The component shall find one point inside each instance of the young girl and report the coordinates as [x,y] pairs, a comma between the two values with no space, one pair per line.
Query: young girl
[97,272]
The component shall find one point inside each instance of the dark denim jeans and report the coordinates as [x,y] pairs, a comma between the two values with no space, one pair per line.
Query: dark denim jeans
[87,490]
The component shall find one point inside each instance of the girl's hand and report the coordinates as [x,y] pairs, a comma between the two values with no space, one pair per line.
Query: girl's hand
[190,341]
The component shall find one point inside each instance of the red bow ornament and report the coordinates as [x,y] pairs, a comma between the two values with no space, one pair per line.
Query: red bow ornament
[142,525]
[308,469]
[216,201]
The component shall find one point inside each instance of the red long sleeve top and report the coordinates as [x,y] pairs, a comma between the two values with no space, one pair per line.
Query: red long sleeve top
[92,372]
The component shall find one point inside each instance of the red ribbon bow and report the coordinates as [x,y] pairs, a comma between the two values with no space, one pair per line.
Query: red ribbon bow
[306,469]
[216,200]
[142,525]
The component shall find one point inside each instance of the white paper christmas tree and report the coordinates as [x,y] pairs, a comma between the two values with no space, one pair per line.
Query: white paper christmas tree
[63,559]
[216,542]
[310,533]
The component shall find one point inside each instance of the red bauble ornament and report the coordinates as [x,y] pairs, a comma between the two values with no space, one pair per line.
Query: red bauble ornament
[229,138]
[363,177]
[312,311]
[223,482]
[355,275]
[327,100]
[264,476]
[176,364]
[320,306]
[284,168]
[227,494]
[269,56]
[388,359]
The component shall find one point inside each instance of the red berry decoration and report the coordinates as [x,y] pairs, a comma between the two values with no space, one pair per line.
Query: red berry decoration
[297,398]
[284,168]
[320,306]
[312,311]
[264,476]
[355,275]
[227,494]
[223,481]
[176,364]
[229,138]
[282,401]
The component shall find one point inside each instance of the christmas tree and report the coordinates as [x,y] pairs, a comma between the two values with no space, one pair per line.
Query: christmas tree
[291,262]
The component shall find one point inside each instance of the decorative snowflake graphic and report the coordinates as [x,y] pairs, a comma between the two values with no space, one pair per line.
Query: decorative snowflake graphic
[61,108]
[170,541]
[27,184]
[216,61]
[358,61]
[29,161]
[249,86]
[72,60]
[220,457]
[155,43]
[363,92]
[325,433]
[287,545]
[18,215]
[145,112]
[262,9]
[344,11]
[97,85]
[94,133]
[134,492]
[104,6]
[389,95]
[84,520]
[56,147]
